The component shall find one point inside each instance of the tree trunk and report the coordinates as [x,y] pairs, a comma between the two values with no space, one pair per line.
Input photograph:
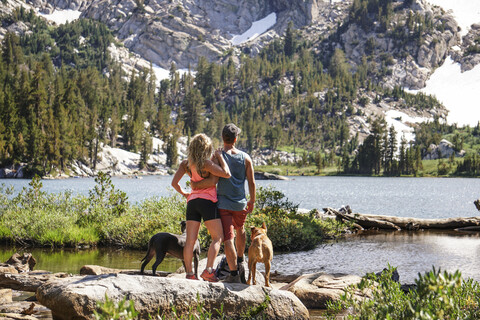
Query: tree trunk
[401,223]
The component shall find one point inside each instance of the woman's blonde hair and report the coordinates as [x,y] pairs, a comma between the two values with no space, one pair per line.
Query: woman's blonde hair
[200,149]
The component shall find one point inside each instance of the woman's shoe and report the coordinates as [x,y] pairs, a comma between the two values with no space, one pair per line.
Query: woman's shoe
[209,276]
[191,277]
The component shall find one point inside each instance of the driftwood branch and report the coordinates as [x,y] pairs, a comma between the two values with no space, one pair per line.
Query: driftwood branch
[399,223]
[477,204]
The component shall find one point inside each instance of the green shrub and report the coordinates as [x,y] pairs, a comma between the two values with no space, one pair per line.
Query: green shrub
[287,229]
[437,296]
[134,228]
[105,217]
[109,310]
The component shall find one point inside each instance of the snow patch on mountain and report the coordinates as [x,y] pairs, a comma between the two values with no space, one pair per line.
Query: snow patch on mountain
[257,28]
[400,121]
[62,16]
[457,91]
[466,12]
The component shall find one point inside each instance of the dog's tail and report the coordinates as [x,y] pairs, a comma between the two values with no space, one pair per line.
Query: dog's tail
[148,250]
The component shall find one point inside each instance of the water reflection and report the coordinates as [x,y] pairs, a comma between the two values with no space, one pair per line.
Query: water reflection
[410,252]
[70,261]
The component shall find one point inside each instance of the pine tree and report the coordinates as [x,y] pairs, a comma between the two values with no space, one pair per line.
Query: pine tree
[390,151]
[171,150]
[193,111]
[289,42]
[146,149]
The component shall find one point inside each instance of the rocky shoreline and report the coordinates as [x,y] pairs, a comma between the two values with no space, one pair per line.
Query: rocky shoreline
[119,162]
[28,294]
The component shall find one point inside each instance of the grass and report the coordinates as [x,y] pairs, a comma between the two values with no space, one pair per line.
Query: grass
[106,218]
[292,170]
[430,169]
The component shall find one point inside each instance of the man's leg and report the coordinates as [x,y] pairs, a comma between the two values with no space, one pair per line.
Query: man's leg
[229,246]
[231,254]
[240,242]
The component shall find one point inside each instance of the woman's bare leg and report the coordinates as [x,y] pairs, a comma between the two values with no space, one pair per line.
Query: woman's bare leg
[192,235]
[216,232]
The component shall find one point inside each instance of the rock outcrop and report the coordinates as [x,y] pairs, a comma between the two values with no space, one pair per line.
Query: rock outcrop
[48,6]
[468,54]
[29,281]
[20,262]
[444,149]
[316,289]
[182,31]
[76,297]
[268,176]
[412,62]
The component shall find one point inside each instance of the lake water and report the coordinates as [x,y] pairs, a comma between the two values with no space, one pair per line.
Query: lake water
[404,197]
[411,252]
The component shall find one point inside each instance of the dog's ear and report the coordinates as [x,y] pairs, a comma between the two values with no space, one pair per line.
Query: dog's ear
[264,226]
[252,228]
[183,226]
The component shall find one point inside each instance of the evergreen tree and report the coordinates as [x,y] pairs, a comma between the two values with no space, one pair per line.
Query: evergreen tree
[146,149]
[171,151]
[390,152]
[289,42]
[193,111]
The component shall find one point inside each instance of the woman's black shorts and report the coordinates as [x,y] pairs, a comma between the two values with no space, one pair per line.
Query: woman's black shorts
[202,208]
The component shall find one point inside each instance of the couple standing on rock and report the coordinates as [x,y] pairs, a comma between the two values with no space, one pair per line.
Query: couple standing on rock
[217,197]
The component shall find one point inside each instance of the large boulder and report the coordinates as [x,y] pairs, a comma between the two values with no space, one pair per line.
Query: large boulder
[21,262]
[76,297]
[444,150]
[7,269]
[202,264]
[316,289]
[28,281]
[268,176]
[5,296]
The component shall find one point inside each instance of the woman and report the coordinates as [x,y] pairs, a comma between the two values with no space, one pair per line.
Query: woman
[201,203]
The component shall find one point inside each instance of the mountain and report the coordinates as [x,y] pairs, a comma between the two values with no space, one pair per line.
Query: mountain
[182,31]
[315,74]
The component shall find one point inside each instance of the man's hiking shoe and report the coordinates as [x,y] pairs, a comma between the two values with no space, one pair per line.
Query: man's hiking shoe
[232,279]
[241,271]
[191,277]
[209,276]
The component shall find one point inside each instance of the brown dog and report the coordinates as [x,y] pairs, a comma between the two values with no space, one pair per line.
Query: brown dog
[261,250]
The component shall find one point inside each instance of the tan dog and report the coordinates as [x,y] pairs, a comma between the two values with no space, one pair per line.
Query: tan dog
[261,250]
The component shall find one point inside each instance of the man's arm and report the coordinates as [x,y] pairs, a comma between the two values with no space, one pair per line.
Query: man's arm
[251,183]
[211,181]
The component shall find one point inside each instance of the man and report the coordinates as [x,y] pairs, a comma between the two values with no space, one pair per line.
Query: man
[232,202]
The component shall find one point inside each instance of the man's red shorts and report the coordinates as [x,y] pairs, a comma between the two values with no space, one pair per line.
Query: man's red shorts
[231,220]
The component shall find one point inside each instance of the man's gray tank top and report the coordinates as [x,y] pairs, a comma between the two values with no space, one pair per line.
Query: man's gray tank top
[231,192]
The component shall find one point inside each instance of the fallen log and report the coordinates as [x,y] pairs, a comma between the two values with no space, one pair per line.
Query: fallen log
[402,223]
[366,222]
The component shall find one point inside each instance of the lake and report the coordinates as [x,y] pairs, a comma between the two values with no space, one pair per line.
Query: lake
[404,197]
[411,252]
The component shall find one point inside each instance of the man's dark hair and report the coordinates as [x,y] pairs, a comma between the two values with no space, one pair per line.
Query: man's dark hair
[230,132]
